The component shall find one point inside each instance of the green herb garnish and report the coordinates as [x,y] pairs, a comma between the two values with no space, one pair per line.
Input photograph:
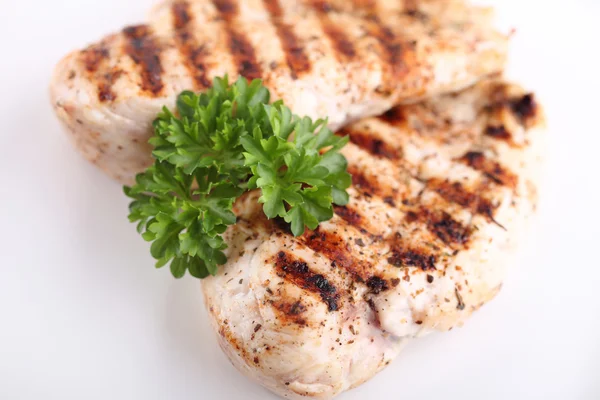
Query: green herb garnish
[218,145]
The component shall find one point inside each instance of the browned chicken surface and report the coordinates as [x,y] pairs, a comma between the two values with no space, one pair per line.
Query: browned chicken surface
[443,182]
[441,193]
[340,59]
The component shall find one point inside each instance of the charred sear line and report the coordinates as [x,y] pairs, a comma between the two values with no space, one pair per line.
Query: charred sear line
[350,215]
[524,107]
[447,229]
[240,47]
[377,285]
[440,223]
[192,53]
[181,14]
[343,47]
[361,182]
[373,145]
[290,311]
[407,257]
[415,13]
[297,60]
[353,218]
[143,49]
[394,116]
[105,83]
[94,56]
[393,49]
[411,8]
[492,169]
[297,272]
[498,132]
[337,250]
[456,193]
[367,185]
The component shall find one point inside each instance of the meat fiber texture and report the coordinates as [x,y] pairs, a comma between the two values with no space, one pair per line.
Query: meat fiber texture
[442,193]
[340,60]
[444,180]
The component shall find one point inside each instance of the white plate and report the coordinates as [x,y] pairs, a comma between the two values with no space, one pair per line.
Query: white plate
[83,314]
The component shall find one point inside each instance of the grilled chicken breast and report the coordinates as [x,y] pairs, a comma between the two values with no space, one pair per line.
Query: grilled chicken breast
[441,191]
[340,59]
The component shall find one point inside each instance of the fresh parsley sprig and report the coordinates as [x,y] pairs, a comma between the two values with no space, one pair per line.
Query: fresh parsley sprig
[218,145]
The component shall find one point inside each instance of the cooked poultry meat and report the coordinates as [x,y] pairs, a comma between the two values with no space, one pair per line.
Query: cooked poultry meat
[441,188]
[340,59]
[441,191]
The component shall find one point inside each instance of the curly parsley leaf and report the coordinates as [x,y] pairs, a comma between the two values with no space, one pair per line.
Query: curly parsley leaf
[217,145]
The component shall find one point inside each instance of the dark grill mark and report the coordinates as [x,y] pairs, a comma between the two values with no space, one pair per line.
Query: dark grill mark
[455,192]
[292,312]
[498,132]
[343,47]
[192,53]
[373,145]
[240,47]
[93,56]
[368,185]
[394,116]
[377,285]
[412,10]
[296,59]
[297,272]
[105,84]
[351,216]
[389,200]
[525,107]
[393,50]
[447,229]
[181,14]
[440,223]
[402,257]
[145,52]
[297,308]
[336,249]
[492,169]
[361,181]
[417,14]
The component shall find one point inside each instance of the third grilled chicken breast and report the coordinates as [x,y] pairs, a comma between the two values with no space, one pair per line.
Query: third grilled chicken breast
[441,191]
[341,59]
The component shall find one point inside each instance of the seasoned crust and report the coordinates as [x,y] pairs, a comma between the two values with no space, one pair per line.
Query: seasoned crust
[322,58]
[424,242]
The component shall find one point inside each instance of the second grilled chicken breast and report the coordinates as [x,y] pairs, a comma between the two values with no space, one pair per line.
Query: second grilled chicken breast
[441,191]
[341,59]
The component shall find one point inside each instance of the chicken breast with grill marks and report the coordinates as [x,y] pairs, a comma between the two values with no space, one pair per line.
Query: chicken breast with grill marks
[340,59]
[441,193]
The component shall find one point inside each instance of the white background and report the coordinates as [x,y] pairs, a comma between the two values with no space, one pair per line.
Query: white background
[84,315]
